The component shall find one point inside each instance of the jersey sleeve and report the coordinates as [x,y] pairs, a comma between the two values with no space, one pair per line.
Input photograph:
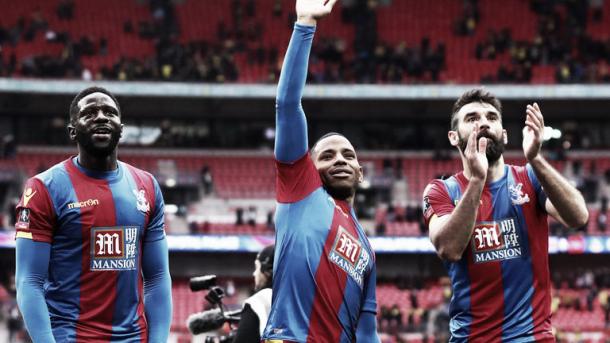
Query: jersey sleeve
[291,124]
[32,264]
[370,296]
[366,331]
[296,180]
[36,216]
[540,195]
[156,226]
[436,201]
[157,289]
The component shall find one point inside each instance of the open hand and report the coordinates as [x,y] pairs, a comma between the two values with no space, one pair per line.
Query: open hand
[533,131]
[476,157]
[308,11]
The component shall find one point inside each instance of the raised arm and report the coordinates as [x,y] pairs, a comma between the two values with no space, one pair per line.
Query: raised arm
[291,124]
[451,233]
[564,202]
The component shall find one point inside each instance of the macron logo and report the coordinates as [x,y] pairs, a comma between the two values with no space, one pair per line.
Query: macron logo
[86,203]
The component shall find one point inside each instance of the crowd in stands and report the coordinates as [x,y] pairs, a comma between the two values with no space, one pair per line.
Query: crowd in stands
[562,40]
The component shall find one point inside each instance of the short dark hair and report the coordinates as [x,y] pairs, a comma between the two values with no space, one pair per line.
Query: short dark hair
[474,95]
[265,257]
[324,136]
[90,90]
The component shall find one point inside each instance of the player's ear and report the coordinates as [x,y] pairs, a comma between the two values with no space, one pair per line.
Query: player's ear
[71,132]
[360,174]
[504,137]
[454,138]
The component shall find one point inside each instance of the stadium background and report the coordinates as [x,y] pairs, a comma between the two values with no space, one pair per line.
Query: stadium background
[196,83]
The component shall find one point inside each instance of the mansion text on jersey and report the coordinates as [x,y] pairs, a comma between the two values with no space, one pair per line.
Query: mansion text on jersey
[113,264]
[497,255]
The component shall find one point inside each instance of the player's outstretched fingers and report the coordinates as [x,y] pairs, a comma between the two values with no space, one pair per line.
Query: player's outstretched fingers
[533,119]
[539,113]
[471,148]
[482,145]
[535,112]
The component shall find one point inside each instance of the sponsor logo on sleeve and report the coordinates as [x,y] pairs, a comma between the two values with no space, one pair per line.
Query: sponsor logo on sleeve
[23,219]
[27,195]
[348,254]
[426,205]
[114,248]
[495,241]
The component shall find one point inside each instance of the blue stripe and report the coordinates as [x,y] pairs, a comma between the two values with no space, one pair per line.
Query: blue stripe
[459,308]
[351,306]
[62,290]
[517,275]
[301,230]
[540,195]
[125,326]
[351,319]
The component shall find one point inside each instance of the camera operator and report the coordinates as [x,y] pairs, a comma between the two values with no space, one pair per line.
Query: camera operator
[256,308]
[252,318]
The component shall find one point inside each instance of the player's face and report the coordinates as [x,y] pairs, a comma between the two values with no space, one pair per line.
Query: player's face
[490,123]
[260,278]
[97,127]
[336,161]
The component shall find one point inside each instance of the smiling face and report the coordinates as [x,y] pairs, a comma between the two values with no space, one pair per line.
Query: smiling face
[96,128]
[336,161]
[490,126]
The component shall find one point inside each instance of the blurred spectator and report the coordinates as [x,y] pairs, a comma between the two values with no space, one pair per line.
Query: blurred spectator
[239,216]
[207,183]
[604,302]
[9,147]
[14,323]
[597,9]
[395,317]
[467,23]
[602,216]
[250,216]
[65,9]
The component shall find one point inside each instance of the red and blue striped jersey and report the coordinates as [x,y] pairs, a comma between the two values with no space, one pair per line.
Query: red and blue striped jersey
[324,268]
[96,223]
[501,286]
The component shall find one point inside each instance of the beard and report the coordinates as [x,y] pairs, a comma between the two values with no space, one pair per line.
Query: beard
[98,149]
[341,192]
[495,146]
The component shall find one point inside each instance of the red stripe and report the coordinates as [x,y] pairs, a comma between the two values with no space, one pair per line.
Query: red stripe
[486,291]
[150,192]
[324,323]
[538,238]
[98,289]
[297,180]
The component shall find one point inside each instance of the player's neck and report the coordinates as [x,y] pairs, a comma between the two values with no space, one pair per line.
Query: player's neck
[494,173]
[94,163]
